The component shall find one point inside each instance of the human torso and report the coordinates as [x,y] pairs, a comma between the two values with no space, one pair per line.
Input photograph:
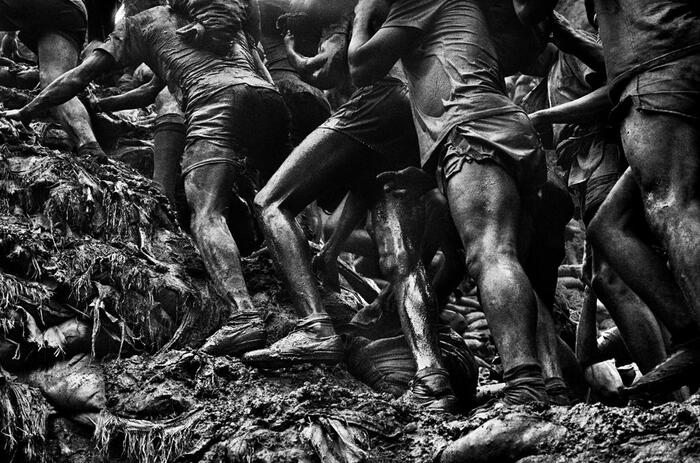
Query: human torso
[152,39]
[639,34]
[453,72]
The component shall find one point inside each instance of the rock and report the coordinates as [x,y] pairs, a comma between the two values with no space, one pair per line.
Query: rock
[503,440]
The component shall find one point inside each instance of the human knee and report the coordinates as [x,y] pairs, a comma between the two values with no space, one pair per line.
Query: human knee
[486,255]
[265,206]
[395,264]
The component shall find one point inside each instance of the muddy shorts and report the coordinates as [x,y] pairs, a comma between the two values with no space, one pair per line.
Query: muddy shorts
[379,117]
[506,139]
[590,187]
[33,18]
[240,125]
[670,88]
[307,104]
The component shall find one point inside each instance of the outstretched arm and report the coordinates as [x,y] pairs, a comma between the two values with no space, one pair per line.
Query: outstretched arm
[371,55]
[66,86]
[136,98]
[596,103]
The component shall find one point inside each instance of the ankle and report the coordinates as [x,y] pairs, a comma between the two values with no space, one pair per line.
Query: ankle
[320,325]
[524,383]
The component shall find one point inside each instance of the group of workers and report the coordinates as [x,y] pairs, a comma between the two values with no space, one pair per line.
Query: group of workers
[423,149]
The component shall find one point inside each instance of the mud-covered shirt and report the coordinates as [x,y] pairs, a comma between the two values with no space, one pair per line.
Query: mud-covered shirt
[518,46]
[640,34]
[150,37]
[453,71]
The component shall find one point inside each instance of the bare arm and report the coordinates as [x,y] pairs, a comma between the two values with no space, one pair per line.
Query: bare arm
[66,86]
[370,55]
[136,98]
[532,12]
[325,70]
[596,103]
[578,43]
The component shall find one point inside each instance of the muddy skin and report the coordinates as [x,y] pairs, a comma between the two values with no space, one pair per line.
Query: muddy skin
[669,189]
[618,232]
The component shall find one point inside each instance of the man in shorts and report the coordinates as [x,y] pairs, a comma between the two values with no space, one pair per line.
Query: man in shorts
[485,151]
[55,30]
[370,134]
[589,151]
[652,56]
[236,120]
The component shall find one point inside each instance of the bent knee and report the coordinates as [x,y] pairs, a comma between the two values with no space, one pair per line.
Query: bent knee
[480,258]
[394,265]
[265,205]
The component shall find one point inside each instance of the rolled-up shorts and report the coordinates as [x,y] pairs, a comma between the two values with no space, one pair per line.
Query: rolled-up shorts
[33,18]
[507,139]
[379,118]
[239,124]
[671,88]
[307,104]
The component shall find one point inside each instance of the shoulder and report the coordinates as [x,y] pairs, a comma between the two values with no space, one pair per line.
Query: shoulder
[417,14]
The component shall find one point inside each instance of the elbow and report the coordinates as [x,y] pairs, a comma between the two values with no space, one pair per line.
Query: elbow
[361,69]
[360,76]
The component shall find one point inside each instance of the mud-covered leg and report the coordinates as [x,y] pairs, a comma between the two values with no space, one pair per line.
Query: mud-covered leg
[168,143]
[439,233]
[57,55]
[325,263]
[323,160]
[398,221]
[485,204]
[208,193]
[617,234]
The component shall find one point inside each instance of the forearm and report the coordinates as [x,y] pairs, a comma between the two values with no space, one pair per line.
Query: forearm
[306,65]
[359,56]
[58,92]
[69,84]
[325,70]
[596,103]
[591,53]
[138,98]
